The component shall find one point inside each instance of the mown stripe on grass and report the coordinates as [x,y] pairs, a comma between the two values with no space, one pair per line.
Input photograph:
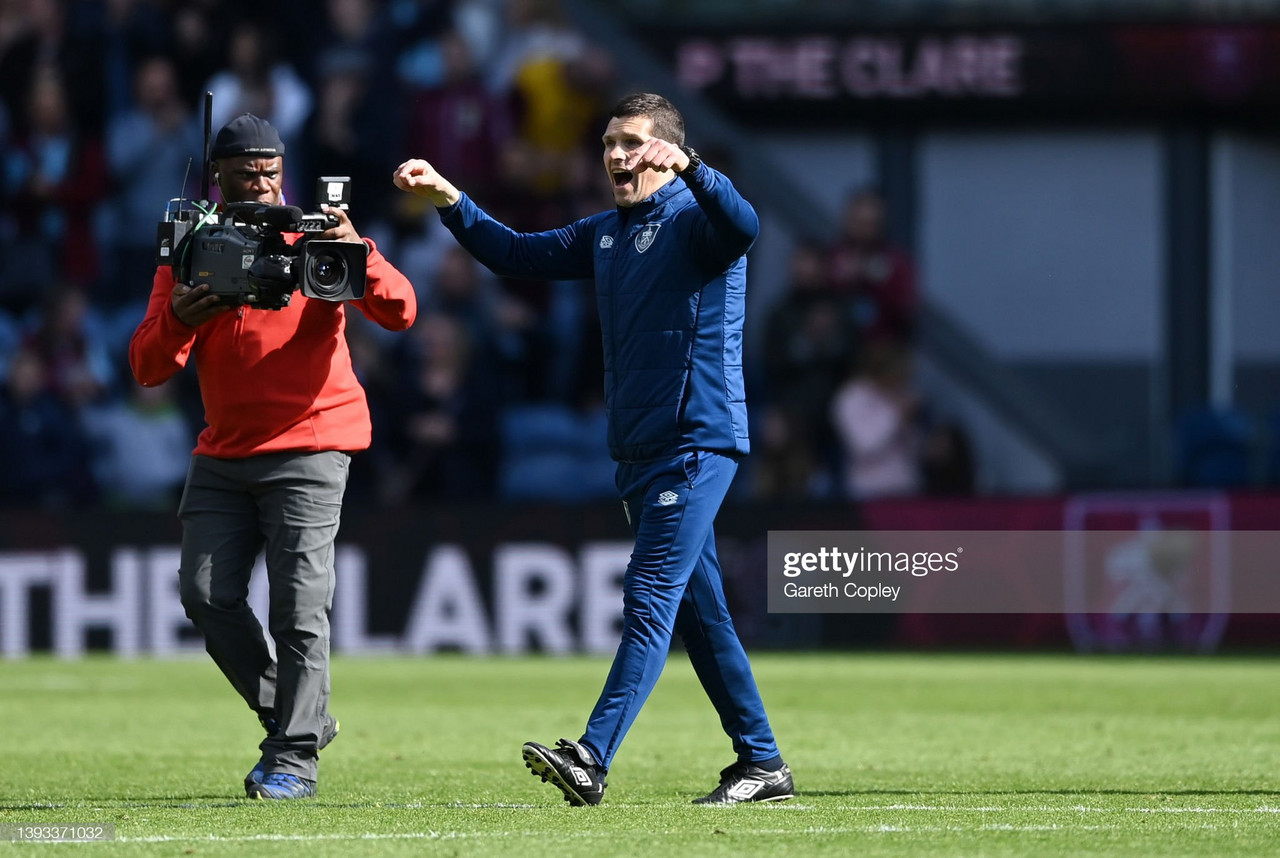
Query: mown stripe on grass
[610,835]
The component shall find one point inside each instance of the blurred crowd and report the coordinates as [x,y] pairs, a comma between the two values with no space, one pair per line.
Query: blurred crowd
[496,391]
[843,414]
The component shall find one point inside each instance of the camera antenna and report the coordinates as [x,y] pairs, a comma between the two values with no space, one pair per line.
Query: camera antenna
[208,131]
[185,176]
[173,245]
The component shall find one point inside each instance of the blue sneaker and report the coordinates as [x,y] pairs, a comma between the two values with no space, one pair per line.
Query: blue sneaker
[254,776]
[331,726]
[281,785]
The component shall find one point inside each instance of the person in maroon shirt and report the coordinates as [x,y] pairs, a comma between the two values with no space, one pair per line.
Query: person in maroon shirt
[56,174]
[877,276]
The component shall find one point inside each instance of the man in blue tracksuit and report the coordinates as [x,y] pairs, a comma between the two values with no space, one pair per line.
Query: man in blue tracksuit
[670,272]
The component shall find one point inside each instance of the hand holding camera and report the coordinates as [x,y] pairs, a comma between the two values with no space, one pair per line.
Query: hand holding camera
[195,305]
[344,230]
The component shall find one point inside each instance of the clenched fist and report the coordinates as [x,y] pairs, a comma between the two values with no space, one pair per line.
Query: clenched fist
[657,155]
[418,177]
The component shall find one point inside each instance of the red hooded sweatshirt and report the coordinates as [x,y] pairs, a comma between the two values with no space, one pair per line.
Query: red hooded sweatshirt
[273,380]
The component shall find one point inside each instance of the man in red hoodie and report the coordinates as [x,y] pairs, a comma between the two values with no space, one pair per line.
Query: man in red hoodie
[284,412]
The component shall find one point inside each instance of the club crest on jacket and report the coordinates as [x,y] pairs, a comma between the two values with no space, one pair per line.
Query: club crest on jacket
[644,239]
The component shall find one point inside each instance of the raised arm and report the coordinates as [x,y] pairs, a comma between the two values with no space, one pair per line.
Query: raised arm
[559,254]
[731,224]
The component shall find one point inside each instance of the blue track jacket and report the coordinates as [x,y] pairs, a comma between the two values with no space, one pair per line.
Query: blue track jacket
[670,276]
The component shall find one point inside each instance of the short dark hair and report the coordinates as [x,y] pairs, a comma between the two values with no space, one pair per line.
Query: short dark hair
[668,124]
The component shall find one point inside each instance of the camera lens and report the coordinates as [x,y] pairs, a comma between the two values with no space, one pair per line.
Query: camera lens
[328,274]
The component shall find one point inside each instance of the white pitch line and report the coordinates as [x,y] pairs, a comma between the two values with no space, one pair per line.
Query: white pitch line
[943,808]
[1263,809]
[772,808]
[242,802]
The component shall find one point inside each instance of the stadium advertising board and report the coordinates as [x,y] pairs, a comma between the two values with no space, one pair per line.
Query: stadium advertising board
[832,77]
[517,579]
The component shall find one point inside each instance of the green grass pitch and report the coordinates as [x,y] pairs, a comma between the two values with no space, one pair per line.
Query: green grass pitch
[901,754]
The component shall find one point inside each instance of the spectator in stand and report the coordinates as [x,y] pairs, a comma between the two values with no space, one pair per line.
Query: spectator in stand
[786,465]
[200,37]
[947,460]
[458,123]
[811,340]
[257,82]
[482,23]
[15,68]
[875,275]
[444,437]
[505,327]
[576,364]
[72,349]
[532,30]
[355,24]
[495,323]
[363,26]
[348,137]
[557,87]
[151,151]
[60,37]
[47,463]
[876,416]
[141,448]
[419,26]
[558,101]
[55,177]
[132,31]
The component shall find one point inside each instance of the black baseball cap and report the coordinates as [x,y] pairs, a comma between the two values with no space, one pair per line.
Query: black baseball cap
[247,135]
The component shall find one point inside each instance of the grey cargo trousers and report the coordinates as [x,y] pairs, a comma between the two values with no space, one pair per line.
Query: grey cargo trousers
[288,504]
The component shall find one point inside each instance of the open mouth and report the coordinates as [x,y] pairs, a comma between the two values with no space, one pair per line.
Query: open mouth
[621,178]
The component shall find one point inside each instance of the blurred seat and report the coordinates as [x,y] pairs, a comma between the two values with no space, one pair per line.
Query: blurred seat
[553,453]
[540,428]
[1214,448]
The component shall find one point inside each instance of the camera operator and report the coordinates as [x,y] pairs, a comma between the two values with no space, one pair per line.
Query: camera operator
[285,412]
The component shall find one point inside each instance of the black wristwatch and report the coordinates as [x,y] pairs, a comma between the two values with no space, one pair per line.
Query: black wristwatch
[694,161]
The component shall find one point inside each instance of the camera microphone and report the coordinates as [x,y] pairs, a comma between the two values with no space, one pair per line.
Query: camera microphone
[278,218]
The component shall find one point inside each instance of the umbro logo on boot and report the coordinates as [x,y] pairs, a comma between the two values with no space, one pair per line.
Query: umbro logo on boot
[570,768]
